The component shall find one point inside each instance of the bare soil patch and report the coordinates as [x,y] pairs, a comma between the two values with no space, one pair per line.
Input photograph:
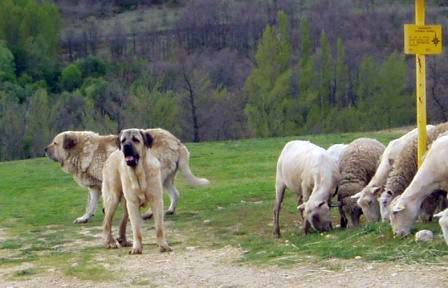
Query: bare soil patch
[194,267]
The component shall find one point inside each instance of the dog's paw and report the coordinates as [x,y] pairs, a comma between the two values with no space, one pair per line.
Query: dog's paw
[135,251]
[165,248]
[110,244]
[124,242]
[147,216]
[81,220]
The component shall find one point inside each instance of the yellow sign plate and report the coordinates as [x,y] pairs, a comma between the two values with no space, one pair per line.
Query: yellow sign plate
[422,39]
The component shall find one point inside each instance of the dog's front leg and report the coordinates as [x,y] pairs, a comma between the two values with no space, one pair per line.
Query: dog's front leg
[132,204]
[111,201]
[124,223]
[157,209]
[92,201]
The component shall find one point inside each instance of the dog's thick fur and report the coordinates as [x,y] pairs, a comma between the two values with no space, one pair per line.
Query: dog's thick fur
[134,172]
[83,154]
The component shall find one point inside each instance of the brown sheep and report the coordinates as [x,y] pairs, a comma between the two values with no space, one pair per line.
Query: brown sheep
[357,166]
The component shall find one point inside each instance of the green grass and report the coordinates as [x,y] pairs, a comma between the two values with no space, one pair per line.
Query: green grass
[38,203]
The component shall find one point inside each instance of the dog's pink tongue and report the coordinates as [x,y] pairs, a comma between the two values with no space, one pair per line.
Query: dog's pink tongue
[129,158]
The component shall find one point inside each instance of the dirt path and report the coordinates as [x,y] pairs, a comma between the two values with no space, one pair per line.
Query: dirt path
[218,268]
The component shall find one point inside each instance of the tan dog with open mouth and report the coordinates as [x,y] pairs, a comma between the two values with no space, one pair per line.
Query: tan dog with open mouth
[133,172]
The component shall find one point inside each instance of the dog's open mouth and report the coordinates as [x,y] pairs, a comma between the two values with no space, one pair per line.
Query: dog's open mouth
[131,160]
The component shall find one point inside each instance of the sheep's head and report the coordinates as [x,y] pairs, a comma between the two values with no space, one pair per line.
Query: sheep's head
[367,200]
[384,201]
[403,214]
[317,214]
[347,204]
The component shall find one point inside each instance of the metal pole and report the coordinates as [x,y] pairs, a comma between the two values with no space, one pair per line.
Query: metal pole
[420,70]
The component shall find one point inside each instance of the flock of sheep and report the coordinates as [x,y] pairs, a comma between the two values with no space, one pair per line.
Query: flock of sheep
[383,183]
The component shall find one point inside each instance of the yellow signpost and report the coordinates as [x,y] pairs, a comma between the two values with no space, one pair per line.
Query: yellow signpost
[421,39]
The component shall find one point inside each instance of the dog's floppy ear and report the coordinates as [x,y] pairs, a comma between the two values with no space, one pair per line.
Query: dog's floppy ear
[147,138]
[69,142]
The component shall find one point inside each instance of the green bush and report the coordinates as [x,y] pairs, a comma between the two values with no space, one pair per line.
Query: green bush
[71,77]
[92,66]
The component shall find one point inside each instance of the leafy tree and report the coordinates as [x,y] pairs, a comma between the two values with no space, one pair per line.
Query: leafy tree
[150,107]
[12,127]
[71,77]
[367,83]
[308,100]
[31,31]
[92,66]
[341,77]
[7,65]
[38,130]
[269,85]
[393,101]
[320,91]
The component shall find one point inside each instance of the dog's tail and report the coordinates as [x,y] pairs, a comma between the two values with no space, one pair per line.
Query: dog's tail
[184,166]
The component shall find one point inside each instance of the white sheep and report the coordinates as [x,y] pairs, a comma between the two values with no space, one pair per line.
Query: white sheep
[357,165]
[367,198]
[336,150]
[432,175]
[443,221]
[312,174]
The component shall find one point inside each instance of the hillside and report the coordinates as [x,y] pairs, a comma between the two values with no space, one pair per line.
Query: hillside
[209,70]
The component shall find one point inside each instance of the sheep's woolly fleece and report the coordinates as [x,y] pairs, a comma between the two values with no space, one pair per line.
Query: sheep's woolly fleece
[405,167]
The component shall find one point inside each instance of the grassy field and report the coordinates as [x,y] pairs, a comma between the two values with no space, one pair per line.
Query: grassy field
[38,203]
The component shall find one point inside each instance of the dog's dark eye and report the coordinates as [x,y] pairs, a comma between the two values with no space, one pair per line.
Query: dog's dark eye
[54,143]
[135,140]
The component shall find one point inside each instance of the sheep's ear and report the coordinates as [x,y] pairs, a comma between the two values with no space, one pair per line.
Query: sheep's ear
[440,214]
[337,204]
[301,208]
[398,208]
[321,204]
[377,190]
[356,196]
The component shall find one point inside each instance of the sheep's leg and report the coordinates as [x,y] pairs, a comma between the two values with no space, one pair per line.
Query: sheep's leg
[343,218]
[280,188]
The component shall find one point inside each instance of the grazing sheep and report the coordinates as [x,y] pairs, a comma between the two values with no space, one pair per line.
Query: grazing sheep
[367,198]
[443,221]
[336,150]
[404,169]
[358,164]
[432,175]
[309,171]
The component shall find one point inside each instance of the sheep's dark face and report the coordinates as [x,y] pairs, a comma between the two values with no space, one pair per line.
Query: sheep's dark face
[318,215]
[352,211]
